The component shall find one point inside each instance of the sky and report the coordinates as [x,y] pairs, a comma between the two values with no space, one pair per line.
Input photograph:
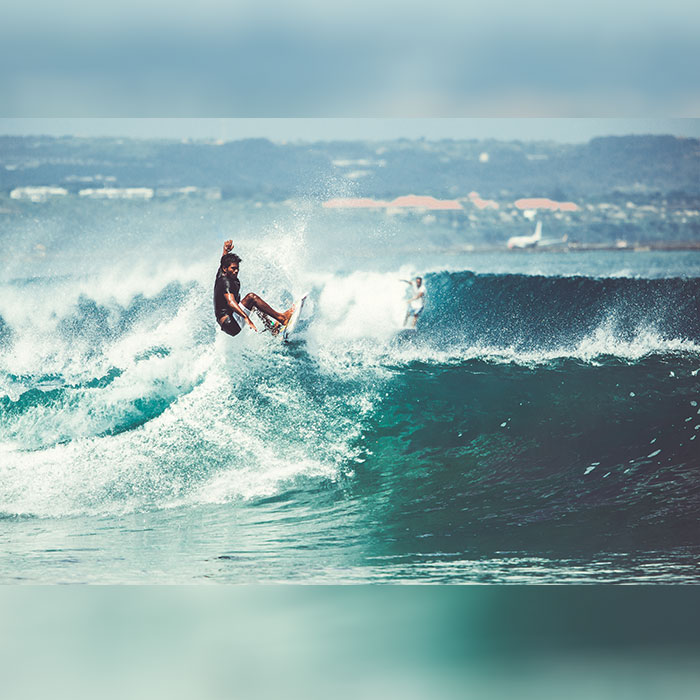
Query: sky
[564,130]
[308,58]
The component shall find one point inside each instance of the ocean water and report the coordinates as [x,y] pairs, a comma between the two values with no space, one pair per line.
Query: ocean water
[540,426]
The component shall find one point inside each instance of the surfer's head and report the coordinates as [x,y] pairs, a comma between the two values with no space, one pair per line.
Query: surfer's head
[230,263]
[419,281]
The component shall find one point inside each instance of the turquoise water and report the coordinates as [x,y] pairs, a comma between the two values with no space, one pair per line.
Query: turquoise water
[540,426]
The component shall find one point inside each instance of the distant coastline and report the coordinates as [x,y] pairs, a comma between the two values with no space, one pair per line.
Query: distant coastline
[631,193]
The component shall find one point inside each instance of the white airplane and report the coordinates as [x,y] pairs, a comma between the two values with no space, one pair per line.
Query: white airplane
[527,241]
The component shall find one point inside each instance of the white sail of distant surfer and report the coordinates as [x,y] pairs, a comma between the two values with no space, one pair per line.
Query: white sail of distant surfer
[527,241]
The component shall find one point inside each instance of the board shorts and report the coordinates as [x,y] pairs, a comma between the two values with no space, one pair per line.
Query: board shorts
[233,324]
[415,312]
[230,326]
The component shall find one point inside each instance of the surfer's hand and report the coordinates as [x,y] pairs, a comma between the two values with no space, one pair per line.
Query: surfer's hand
[228,246]
[251,324]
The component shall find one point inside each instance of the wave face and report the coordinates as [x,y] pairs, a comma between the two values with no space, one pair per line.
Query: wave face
[526,413]
[565,456]
[546,313]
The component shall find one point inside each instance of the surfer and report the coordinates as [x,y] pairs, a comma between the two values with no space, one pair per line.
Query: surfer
[230,309]
[416,302]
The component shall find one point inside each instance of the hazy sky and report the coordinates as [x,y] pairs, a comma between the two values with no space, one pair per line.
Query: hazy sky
[443,58]
[567,130]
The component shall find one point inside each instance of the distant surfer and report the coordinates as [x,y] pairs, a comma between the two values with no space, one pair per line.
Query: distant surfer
[232,311]
[416,302]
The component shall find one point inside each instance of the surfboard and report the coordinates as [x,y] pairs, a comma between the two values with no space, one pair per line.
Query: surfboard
[292,324]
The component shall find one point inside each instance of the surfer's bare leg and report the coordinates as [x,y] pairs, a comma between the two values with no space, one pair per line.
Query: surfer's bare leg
[253,301]
[414,319]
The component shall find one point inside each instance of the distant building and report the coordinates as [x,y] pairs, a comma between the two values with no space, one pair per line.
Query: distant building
[37,194]
[117,193]
[480,203]
[410,201]
[188,192]
[544,203]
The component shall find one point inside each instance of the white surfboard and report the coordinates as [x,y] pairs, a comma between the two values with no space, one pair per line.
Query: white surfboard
[289,328]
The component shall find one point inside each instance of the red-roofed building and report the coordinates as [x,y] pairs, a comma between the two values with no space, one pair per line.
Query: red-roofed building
[410,201]
[543,203]
[482,203]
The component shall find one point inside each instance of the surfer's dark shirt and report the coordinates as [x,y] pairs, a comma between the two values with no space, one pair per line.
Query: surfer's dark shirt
[222,286]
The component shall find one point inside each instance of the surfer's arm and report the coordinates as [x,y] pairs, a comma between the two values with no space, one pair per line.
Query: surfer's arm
[239,310]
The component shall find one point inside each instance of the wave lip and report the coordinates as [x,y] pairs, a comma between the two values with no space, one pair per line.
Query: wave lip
[505,318]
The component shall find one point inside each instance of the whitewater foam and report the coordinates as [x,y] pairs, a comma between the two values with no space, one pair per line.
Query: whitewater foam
[251,425]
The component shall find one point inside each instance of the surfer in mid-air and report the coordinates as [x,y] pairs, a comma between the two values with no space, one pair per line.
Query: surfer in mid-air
[416,302]
[232,311]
